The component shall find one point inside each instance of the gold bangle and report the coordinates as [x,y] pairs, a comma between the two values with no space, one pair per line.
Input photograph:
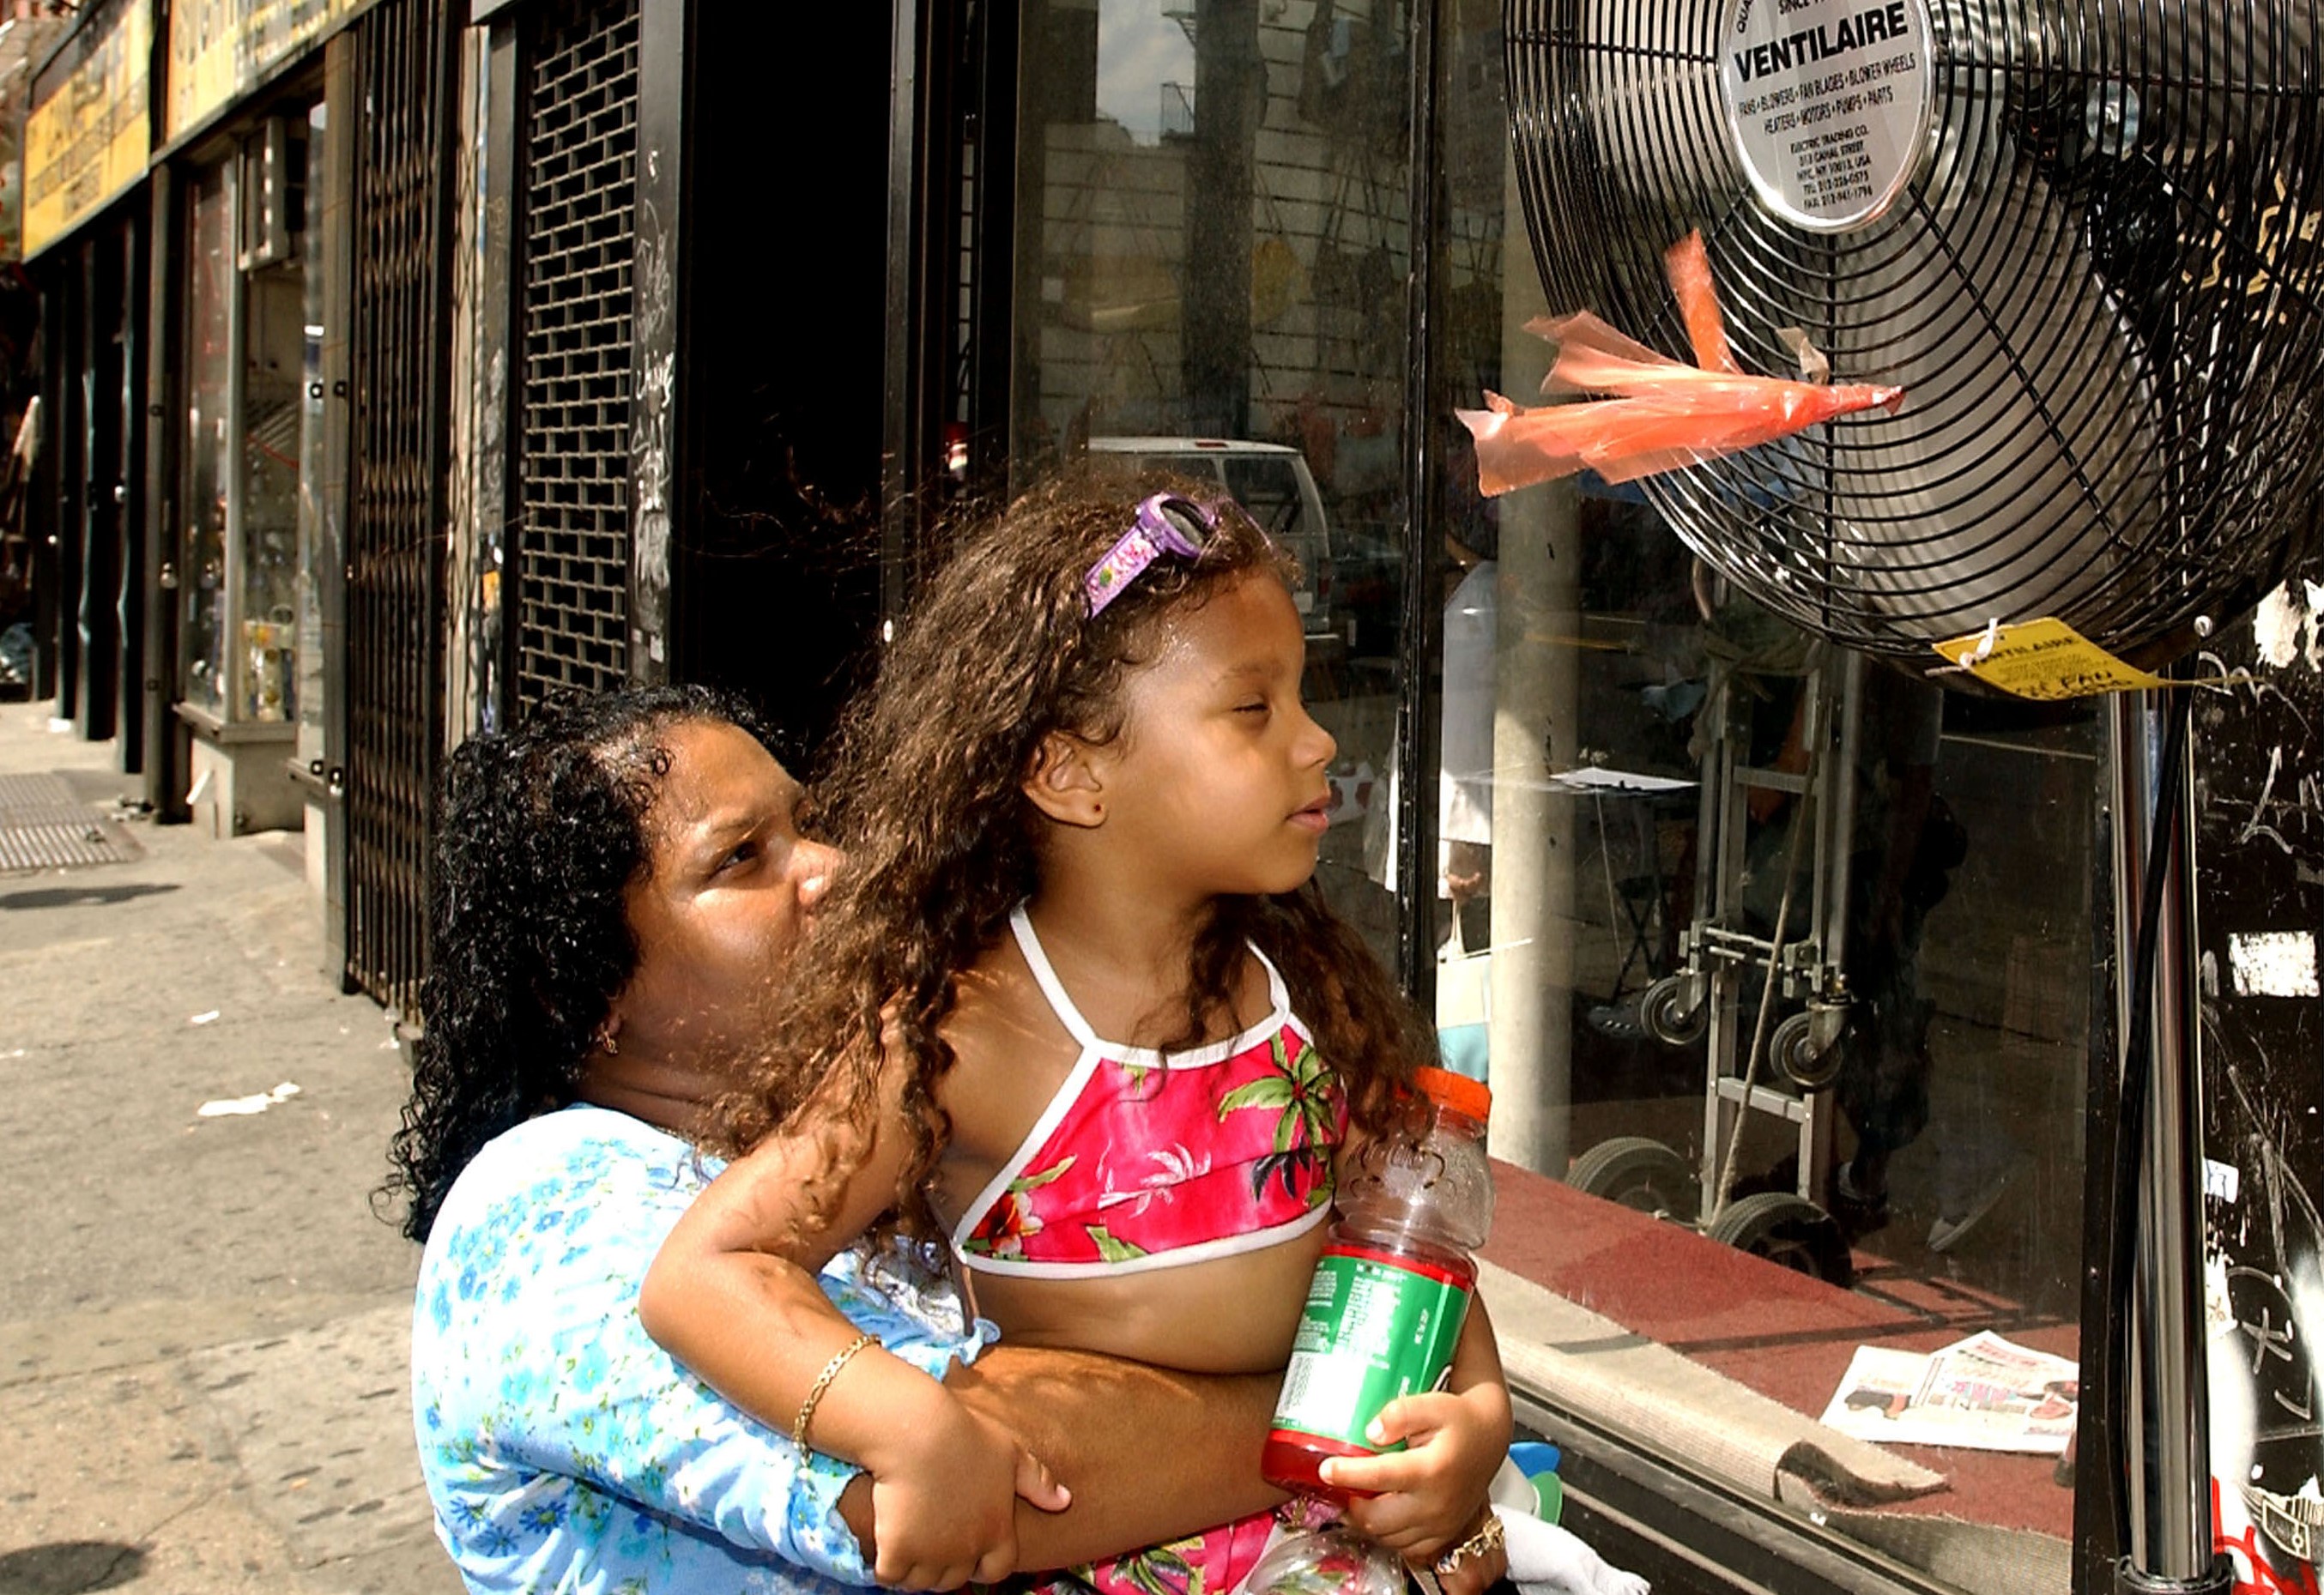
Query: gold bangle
[822,1382]
[1489,1538]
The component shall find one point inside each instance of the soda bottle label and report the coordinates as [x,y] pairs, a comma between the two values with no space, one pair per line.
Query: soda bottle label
[1372,1329]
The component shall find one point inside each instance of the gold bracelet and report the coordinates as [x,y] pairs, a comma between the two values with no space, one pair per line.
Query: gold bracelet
[822,1382]
[1489,1538]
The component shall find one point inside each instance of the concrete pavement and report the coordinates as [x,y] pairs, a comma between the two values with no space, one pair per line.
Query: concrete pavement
[203,1325]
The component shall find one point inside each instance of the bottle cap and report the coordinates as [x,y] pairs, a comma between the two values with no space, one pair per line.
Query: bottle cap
[1470,1098]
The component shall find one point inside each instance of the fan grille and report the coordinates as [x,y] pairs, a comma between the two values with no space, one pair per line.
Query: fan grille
[2100,290]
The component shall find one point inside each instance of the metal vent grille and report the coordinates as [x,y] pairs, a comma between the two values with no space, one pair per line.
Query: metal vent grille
[43,827]
[395,524]
[580,185]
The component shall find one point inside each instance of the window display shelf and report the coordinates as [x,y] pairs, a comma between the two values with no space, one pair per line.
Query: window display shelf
[1783,1335]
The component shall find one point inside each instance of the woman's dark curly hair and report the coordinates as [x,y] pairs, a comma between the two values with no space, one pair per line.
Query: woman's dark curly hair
[540,832]
[925,800]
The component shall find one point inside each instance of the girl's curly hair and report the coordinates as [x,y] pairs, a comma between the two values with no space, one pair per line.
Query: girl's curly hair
[924,798]
[539,831]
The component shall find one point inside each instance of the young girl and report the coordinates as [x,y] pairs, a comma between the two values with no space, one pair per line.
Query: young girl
[1075,1006]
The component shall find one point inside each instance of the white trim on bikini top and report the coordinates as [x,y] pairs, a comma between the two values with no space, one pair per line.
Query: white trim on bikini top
[1094,1050]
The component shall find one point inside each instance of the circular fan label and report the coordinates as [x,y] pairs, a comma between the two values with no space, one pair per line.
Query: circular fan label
[1828,102]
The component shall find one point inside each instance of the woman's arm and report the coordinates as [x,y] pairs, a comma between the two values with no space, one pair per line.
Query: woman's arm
[536,1386]
[733,1295]
[1150,1454]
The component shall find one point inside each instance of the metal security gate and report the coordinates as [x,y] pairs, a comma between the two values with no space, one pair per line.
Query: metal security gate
[395,523]
[579,178]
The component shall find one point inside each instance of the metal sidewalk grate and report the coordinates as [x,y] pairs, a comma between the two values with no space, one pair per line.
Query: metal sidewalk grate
[42,826]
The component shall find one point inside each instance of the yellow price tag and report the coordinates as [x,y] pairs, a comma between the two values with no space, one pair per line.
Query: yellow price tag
[2046,660]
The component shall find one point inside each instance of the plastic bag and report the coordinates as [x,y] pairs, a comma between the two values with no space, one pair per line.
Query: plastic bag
[1665,414]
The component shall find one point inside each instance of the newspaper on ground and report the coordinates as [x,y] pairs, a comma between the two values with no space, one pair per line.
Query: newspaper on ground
[1983,1394]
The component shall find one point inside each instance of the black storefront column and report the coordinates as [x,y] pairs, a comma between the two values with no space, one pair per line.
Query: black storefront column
[125,397]
[97,617]
[41,500]
[61,311]
[166,738]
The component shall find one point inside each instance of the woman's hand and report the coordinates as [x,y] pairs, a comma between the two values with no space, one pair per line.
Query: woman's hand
[944,1498]
[1425,1498]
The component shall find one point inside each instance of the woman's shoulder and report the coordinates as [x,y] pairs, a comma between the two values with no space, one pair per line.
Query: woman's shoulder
[578,1155]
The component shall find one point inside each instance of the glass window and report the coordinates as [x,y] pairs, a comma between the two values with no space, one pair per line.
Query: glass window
[246,323]
[211,282]
[274,360]
[1212,256]
[1647,784]
[312,462]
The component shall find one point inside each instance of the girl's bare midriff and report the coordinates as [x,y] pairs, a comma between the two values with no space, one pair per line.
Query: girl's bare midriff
[1234,1314]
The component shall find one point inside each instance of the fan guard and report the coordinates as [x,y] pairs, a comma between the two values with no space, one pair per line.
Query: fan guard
[2095,274]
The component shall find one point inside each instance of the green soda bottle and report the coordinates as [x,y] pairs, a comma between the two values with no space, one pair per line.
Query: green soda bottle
[1391,1290]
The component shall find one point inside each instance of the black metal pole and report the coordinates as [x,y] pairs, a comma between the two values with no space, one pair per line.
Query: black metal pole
[2165,1394]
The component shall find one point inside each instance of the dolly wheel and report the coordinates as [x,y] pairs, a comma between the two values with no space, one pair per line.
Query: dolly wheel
[1642,1175]
[1793,1050]
[1663,1012]
[1787,1229]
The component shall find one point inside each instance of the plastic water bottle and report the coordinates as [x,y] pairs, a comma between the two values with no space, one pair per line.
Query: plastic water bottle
[1391,1290]
[1330,1561]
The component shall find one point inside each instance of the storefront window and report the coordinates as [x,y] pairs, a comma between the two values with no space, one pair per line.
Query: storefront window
[246,314]
[211,284]
[274,367]
[1212,251]
[313,502]
[1644,775]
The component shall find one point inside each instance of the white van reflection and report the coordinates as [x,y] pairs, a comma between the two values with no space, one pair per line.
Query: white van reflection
[1271,480]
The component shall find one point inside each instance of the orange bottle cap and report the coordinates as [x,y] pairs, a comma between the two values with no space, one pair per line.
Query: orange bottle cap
[1470,1098]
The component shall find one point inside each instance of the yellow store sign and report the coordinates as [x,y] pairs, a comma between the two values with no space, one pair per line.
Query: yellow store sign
[220,50]
[89,133]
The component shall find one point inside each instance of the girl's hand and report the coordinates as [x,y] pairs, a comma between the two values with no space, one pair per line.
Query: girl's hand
[944,1502]
[1425,1499]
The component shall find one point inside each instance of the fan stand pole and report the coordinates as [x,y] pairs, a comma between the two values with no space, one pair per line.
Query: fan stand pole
[2165,1395]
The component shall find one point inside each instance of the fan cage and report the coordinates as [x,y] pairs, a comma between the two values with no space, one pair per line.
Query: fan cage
[2100,290]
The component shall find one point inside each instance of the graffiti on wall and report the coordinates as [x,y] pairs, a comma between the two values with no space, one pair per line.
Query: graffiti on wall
[2260,899]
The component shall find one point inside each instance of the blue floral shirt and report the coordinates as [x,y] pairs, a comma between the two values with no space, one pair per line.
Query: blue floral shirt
[563,1449]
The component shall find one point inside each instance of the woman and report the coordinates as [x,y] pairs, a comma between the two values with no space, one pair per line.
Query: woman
[614,882]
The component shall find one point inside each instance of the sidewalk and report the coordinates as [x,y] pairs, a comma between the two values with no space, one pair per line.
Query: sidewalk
[204,1331]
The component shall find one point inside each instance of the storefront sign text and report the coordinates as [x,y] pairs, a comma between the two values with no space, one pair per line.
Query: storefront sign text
[220,50]
[88,132]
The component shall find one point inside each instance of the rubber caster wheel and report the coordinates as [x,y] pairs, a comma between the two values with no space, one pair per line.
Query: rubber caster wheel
[1797,1058]
[1673,1013]
[1789,1231]
[1640,1174]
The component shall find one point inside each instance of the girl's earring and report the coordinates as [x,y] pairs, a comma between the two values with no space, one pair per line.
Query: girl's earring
[608,1043]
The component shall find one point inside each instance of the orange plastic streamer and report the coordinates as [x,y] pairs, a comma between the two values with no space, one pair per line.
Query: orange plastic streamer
[1662,414]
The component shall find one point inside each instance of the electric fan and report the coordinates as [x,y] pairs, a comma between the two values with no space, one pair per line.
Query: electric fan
[2083,234]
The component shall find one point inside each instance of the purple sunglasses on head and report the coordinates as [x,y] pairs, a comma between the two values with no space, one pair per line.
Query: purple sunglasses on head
[1163,524]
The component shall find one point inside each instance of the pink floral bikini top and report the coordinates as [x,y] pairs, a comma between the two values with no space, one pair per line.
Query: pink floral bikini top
[1142,1161]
